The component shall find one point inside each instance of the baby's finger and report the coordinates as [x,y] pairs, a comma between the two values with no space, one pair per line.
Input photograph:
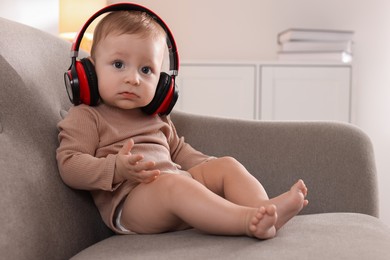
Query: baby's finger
[144,166]
[126,148]
[149,176]
[135,158]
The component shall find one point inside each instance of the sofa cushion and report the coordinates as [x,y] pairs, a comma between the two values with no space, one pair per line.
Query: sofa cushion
[328,235]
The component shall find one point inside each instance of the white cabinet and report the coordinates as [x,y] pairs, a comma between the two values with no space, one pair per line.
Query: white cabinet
[219,90]
[266,91]
[305,93]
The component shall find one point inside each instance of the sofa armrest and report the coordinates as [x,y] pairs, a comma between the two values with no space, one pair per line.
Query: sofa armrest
[335,160]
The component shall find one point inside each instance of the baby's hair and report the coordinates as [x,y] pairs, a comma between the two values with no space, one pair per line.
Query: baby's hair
[126,22]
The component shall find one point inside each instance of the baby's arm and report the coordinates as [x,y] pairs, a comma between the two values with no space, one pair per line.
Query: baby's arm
[79,166]
[131,167]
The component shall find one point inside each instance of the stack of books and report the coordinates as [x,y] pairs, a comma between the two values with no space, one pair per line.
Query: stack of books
[315,45]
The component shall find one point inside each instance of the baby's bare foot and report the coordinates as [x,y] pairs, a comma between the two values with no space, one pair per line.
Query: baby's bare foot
[290,203]
[262,224]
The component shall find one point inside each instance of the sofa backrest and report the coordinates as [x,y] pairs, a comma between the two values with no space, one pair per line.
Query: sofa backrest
[40,216]
[335,160]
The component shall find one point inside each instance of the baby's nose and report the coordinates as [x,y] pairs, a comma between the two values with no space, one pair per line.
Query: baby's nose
[133,78]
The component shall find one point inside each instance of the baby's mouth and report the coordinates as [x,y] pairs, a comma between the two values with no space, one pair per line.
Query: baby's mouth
[129,95]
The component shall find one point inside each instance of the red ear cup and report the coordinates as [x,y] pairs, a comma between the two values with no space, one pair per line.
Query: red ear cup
[89,91]
[83,88]
[81,83]
[165,97]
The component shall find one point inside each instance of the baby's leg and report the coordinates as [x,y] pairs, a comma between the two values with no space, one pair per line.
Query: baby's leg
[228,178]
[173,202]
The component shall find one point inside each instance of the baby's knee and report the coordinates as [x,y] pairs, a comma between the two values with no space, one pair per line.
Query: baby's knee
[172,181]
[228,161]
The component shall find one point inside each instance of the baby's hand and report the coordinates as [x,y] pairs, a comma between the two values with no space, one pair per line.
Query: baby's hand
[131,167]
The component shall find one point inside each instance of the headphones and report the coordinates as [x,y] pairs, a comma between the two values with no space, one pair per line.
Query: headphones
[81,81]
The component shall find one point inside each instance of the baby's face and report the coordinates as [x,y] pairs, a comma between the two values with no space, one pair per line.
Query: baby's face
[128,68]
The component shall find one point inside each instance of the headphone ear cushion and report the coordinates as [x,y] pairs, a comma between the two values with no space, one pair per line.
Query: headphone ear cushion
[164,94]
[92,97]
[175,96]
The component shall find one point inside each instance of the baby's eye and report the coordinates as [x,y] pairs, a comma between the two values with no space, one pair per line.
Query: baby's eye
[146,70]
[118,64]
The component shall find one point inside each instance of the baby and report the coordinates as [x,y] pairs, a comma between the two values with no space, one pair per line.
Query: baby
[143,177]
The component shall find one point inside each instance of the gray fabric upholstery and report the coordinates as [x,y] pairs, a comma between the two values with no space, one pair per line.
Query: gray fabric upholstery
[41,218]
[323,236]
[328,156]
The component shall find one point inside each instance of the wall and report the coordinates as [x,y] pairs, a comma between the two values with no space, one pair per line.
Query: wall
[247,29]
[42,14]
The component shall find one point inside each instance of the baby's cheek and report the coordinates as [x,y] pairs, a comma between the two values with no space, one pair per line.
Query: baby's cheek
[150,95]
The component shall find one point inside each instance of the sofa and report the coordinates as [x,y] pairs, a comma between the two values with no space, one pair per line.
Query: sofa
[42,218]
